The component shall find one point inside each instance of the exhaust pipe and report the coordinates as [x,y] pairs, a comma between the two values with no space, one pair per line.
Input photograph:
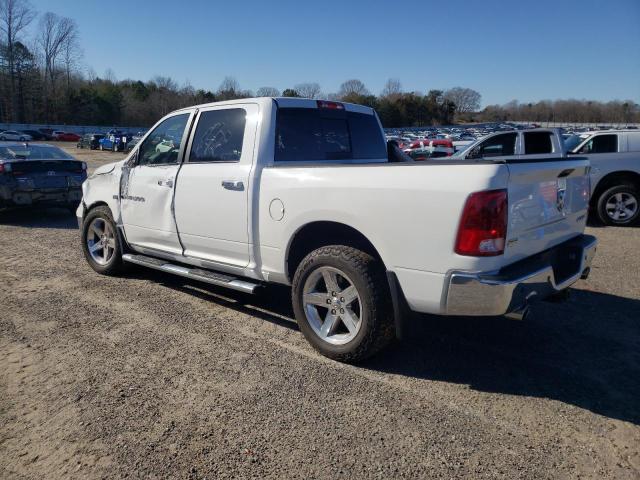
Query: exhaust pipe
[521,313]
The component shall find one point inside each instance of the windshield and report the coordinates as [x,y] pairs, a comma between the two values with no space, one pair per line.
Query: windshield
[33,152]
[572,142]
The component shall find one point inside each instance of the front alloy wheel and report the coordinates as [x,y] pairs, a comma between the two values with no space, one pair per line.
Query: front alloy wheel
[101,241]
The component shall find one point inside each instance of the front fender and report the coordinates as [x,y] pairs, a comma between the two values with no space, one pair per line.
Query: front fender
[103,188]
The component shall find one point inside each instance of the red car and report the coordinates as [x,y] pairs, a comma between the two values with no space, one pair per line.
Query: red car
[424,149]
[68,137]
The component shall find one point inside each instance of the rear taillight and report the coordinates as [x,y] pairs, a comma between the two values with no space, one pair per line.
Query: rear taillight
[330,105]
[483,226]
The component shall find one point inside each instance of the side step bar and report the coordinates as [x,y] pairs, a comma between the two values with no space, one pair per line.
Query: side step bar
[206,276]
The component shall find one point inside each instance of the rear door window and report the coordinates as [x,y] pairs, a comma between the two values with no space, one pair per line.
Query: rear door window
[601,144]
[306,134]
[219,136]
[537,143]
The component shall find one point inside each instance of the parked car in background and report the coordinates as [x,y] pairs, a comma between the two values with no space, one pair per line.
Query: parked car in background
[39,175]
[67,137]
[430,148]
[114,140]
[90,141]
[306,193]
[55,134]
[15,135]
[36,135]
[615,174]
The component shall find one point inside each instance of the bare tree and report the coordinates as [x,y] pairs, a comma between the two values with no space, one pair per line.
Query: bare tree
[308,90]
[55,33]
[15,16]
[229,84]
[465,99]
[71,56]
[392,88]
[352,87]
[268,92]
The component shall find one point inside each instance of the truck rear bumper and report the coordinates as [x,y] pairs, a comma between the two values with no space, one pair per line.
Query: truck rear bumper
[513,287]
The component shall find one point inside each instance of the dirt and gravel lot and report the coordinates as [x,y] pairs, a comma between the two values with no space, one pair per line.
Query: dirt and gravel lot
[149,376]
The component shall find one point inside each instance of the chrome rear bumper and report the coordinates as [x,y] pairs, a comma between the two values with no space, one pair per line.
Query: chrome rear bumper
[513,287]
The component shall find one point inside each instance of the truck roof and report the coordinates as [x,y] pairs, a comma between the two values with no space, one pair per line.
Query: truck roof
[287,102]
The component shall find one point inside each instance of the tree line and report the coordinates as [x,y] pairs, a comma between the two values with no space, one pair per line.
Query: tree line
[42,80]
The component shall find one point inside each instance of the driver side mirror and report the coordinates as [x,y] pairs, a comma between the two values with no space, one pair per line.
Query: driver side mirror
[133,159]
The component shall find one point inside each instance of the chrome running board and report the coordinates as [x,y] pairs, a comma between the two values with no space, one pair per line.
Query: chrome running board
[199,274]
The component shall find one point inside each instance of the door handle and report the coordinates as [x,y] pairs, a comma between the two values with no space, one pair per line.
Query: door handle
[166,183]
[233,184]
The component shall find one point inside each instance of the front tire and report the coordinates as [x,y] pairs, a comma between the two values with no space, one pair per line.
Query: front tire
[619,205]
[101,243]
[341,301]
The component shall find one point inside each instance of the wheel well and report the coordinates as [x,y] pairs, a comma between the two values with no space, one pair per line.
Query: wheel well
[318,234]
[613,179]
[95,205]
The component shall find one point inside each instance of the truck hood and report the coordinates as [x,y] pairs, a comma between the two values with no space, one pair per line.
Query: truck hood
[108,168]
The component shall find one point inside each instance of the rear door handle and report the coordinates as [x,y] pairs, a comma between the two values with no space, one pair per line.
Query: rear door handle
[233,184]
[166,183]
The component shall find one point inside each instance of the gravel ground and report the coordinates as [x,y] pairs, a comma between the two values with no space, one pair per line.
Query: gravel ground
[149,376]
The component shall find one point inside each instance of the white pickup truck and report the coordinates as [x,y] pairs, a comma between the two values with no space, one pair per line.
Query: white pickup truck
[306,193]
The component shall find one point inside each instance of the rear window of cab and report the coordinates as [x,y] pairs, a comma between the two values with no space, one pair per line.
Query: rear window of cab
[310,134]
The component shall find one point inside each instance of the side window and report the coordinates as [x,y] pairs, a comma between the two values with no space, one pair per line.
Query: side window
[308,134]
[497,146]
[162,146]
[219,136]
[634,142]
[537,143]
[601,144]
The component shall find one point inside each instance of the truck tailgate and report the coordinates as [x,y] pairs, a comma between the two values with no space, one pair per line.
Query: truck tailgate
[548,202]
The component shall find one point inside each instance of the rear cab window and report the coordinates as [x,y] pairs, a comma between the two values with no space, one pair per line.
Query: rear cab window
[538,143]
[317,134]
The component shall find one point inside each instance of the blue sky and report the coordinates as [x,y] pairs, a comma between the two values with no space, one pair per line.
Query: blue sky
[526,50]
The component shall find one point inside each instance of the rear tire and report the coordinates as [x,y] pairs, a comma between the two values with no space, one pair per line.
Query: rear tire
[99,232]
[357,321]
[619,205]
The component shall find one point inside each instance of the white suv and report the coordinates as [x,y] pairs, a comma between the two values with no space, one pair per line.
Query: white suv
[615,174]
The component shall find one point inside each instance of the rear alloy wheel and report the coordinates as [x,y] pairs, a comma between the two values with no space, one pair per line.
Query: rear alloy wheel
[100,242]
[332,305]
[619,205]
[341,300]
